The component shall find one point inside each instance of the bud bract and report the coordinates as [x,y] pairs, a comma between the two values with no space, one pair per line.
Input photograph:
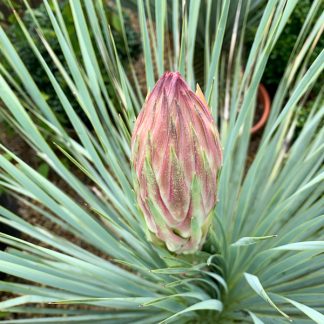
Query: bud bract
[176,155]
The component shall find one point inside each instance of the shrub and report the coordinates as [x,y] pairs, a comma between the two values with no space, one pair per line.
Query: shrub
[263,258]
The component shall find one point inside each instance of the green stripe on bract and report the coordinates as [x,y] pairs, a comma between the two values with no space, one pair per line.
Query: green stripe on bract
[196,202]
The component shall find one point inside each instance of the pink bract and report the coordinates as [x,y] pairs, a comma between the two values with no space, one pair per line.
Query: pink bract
[176,155]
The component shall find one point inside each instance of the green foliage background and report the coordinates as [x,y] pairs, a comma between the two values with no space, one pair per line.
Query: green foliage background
[19,40]
[281,53]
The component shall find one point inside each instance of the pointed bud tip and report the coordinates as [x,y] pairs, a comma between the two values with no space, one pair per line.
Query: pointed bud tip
[172,77]
[171,74]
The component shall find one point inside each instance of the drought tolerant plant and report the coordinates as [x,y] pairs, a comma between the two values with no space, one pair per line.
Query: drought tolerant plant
[263,257]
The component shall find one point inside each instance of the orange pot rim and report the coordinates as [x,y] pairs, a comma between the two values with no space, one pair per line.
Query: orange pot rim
[266,103]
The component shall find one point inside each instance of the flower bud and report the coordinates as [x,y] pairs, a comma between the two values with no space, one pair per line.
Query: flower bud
[176,155]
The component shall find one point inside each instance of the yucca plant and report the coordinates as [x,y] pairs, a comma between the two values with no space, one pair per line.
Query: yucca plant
[263,258]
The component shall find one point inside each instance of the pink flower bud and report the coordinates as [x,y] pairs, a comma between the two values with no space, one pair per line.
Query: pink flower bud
[176,155]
